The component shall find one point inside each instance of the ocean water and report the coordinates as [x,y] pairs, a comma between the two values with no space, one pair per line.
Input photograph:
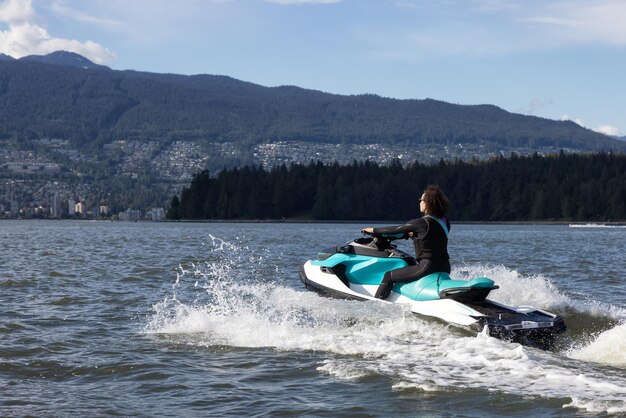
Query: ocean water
[210,319]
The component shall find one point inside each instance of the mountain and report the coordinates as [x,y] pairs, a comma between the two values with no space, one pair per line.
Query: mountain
[5,57]
[71,129]
[92,105]
[65,58]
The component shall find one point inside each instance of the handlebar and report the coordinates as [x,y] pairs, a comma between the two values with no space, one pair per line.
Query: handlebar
[379,241]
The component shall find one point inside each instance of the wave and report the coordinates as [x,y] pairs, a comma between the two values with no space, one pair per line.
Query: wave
[608,347]
[595,225]
[596,330]
[515,288]
[219,303]
[539,291]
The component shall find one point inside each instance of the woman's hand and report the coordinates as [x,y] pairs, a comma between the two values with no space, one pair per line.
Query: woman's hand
[368,230]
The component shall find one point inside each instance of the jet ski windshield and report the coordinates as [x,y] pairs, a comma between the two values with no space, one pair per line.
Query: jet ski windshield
[374,247]
[368,246]
[375,242]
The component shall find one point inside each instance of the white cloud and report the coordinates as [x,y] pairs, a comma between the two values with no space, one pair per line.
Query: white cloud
[608,130]
[497,5]
[303,1]
[578,121]
[603,129]
[578,21]
[17,11]
[537,104]
[26,36]
[61,8]
[494,27]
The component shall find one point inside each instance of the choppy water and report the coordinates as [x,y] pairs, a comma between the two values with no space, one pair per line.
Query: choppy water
[143,319]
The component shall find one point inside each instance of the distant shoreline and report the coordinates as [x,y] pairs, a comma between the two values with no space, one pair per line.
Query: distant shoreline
[312,221]
[396,222]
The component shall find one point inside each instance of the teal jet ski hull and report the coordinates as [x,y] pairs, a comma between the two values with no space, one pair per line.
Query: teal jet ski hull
[355,270]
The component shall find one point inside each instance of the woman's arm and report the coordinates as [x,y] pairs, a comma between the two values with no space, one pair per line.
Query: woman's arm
[400,231]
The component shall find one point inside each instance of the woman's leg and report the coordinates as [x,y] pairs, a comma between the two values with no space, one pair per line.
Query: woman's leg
[402,275]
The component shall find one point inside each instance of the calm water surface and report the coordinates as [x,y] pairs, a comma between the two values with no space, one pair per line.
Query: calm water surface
[148,319]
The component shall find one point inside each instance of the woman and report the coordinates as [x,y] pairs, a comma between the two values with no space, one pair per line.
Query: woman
[430,239]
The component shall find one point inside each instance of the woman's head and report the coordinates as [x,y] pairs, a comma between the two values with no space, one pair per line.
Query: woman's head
[434,202]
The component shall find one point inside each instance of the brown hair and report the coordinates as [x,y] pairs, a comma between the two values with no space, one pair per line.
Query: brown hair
[436,201]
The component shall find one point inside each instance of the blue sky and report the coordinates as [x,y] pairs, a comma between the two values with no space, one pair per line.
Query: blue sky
[558,59]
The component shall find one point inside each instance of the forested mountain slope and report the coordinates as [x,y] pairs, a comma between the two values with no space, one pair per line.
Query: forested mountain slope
[96,105]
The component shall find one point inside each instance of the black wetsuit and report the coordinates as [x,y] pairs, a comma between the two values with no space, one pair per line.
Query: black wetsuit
[431,251]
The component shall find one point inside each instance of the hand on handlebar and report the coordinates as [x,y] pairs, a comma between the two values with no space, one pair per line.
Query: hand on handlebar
[368,230]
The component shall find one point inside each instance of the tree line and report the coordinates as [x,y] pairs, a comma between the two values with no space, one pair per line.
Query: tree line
[569,187]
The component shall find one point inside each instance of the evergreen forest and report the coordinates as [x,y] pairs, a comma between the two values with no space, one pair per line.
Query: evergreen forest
[563,187]
[93,107]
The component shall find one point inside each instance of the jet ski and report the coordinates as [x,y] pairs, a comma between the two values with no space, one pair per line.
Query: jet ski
[356,269]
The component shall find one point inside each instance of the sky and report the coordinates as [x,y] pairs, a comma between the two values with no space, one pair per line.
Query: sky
[556,59]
